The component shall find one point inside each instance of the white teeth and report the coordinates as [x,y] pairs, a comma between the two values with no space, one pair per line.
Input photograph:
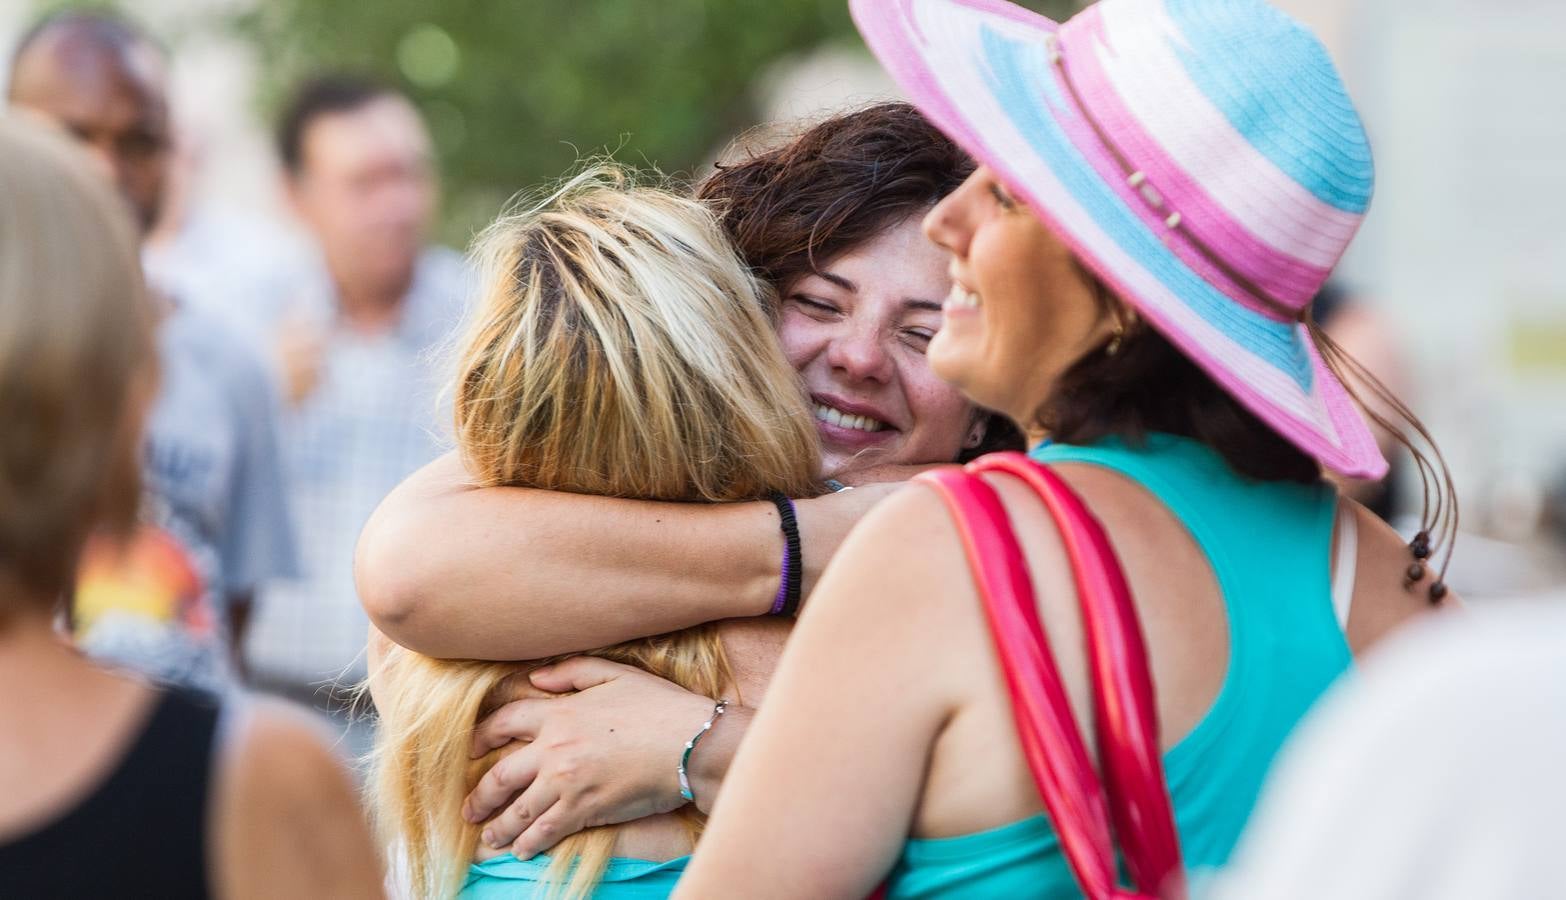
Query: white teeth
[841,419]
[962,298]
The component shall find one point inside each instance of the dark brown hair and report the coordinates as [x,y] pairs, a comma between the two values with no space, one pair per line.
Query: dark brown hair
[1148,385]
[793,207]
[841,182]
[321,96]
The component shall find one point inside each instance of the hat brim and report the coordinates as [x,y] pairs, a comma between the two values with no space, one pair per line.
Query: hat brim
[981,71]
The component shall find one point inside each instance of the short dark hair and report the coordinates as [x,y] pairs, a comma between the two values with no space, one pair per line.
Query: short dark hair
[838,184]
[796,206]
[1147,385]
[322,95]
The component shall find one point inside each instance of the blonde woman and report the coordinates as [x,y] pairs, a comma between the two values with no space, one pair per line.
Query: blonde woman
[620,348]
[108,786]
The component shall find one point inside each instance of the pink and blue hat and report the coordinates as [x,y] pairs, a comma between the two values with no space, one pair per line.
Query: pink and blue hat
[1200,156]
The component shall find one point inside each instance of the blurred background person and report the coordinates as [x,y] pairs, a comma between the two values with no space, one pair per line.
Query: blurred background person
[117,788]
[354,350]
[173,601]
[1435,773]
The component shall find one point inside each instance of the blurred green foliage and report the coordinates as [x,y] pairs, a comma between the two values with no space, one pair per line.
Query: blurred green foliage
[516,92]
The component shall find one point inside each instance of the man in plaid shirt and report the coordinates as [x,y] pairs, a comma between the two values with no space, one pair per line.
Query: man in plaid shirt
[357,350]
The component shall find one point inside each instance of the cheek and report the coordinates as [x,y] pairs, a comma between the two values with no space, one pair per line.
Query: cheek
[940,412]
[801,338]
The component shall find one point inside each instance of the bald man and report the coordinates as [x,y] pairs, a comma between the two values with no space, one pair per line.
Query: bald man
[103,81]
[214,524]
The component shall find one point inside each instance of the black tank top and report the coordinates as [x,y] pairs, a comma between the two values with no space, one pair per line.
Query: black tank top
[143,832]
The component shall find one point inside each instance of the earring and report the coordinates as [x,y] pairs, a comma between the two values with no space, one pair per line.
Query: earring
[1113,346]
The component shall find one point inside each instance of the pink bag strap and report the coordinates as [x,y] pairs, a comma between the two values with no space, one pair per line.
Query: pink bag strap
[1136,800]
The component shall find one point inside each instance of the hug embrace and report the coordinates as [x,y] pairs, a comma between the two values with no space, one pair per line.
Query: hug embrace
[637,640]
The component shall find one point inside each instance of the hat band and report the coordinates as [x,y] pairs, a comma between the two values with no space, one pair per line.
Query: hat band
[1137,179]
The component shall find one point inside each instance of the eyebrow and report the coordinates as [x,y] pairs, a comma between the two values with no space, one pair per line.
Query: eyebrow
[845,284]
[836,279]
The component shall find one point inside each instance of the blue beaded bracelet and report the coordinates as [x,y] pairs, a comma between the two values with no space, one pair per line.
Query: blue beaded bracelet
[690,745]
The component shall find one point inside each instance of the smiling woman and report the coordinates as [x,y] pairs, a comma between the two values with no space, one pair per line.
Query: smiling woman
[831,218]
[857,330]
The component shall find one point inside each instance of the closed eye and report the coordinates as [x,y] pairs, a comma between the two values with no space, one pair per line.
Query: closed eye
[811,304]
[1001,197]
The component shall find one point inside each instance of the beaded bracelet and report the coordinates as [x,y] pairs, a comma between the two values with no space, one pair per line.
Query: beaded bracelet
[690,745]
[787,601]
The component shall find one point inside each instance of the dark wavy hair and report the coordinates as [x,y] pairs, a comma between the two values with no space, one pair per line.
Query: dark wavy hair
[793,207]
[1147,386]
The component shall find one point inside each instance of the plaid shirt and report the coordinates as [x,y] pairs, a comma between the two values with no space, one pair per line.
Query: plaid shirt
[374,418]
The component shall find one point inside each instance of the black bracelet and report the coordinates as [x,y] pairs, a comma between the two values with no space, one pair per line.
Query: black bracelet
[793,562]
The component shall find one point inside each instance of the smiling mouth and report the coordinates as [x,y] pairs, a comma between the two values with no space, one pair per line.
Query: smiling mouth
[962,298]
[834,416]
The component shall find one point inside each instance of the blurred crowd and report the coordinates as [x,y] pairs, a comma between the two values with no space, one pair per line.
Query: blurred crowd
[298,382]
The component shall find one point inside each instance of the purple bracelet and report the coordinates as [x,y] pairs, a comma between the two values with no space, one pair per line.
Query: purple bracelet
[781,602]
[787,601]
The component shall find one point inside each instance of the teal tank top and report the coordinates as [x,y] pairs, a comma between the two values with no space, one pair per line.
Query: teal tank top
[1269,547]
[508,878]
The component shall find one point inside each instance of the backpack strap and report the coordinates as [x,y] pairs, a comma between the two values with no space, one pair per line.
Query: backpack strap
[1125,716]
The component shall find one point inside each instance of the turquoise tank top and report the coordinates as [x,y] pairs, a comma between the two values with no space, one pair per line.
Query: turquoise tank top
[508,878]
[1269,547]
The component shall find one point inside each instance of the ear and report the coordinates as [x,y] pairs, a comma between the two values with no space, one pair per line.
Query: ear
[977,431]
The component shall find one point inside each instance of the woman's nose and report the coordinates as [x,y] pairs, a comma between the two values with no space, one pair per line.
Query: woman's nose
[861,355]
[948,225]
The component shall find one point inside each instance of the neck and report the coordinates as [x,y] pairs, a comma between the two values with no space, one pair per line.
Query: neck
[30,647]
[370,309]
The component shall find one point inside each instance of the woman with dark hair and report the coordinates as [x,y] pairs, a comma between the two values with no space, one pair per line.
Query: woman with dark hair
[1164,186]
[830,222]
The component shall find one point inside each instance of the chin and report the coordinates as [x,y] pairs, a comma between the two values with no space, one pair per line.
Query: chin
[954,362]
[969,374]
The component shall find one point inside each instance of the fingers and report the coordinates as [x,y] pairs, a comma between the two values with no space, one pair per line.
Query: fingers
[535,803]
[577,674]
[548,829]
[519,720]
[516,772]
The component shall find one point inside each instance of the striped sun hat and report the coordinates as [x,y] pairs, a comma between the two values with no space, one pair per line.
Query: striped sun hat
[1200,156]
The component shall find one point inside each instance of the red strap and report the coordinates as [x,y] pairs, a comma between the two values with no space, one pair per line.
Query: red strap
[1125,714]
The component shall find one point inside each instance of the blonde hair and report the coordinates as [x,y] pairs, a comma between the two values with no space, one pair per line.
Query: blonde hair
[620,347]
[77,359]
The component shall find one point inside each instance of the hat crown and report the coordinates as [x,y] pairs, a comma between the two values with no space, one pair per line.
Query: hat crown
[1241,123]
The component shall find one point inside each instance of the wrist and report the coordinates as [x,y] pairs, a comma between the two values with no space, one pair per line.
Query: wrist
[786,601]
[709,764]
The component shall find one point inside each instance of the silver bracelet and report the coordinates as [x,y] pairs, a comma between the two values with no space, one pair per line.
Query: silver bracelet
[690,745]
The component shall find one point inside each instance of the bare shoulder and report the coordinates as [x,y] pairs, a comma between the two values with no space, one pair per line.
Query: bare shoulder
[903,556]
[910,528]
[1384,601]
[274,741]
[289,820]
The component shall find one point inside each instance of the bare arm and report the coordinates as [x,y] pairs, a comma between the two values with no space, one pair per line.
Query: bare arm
[822,793]
[451,571]
[288,820]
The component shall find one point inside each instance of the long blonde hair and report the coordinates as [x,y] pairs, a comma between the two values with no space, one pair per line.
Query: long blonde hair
[620,347]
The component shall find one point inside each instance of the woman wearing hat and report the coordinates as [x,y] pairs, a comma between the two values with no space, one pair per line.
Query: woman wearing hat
[1165,184]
